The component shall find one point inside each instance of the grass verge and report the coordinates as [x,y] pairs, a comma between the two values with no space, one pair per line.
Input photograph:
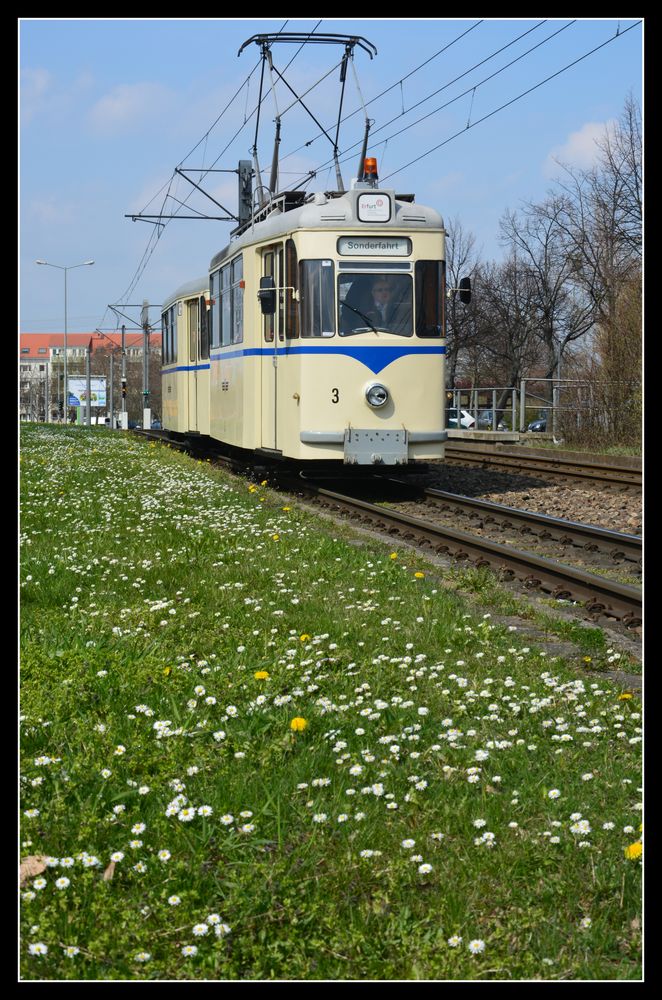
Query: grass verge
[253,750]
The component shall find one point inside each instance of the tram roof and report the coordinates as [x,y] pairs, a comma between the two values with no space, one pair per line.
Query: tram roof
[321,211]
[191,288]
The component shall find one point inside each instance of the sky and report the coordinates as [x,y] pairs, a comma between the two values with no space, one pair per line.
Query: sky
[109,108]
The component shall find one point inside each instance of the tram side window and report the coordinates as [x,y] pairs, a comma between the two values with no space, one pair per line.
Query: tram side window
[204,328]
[268,321]
[226,306]
[430,296]
[281,296]
[292,284]
[173,334]
[164,337]
[317,298]
[215,311]
[237,300]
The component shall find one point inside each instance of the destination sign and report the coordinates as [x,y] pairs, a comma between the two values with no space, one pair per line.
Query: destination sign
[374,246]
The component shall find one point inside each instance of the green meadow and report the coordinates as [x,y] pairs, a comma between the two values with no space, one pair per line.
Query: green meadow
[257,747]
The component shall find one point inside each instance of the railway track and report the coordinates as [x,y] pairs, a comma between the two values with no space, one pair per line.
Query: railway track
[623,475]
[618,545]
[599,596]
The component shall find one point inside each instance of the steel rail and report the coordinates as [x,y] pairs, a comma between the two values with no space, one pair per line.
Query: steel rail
[600,595]
[595,472]
[588,536]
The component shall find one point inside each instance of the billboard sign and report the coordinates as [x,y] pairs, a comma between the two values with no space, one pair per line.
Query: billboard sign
[78,391]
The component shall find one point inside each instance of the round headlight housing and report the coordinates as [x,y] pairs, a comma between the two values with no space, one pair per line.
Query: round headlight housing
[376,395]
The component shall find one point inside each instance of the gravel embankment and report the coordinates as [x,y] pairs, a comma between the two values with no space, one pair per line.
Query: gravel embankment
[620,511]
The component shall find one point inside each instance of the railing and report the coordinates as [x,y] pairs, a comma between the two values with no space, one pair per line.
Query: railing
[479,400]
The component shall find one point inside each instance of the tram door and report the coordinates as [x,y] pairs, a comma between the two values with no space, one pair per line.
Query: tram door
[193,307]
[272,337]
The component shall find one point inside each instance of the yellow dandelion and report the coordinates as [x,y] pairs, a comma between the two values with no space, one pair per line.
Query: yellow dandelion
[419,576]
[304,638]
[261,675]
[298,724]
[275,537]
[634,851]
[264,482]
[625,696]
[167,671]
[588,659]
[394,555]
[286,509]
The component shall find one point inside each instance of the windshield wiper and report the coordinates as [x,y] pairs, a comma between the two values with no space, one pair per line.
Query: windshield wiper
[358,312]
[370,327]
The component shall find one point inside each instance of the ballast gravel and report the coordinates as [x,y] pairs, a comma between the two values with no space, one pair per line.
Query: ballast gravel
[606,508]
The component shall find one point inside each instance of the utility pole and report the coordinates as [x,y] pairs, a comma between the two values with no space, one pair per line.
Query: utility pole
[124,417]
[88,373]
[111,396]
[144,322]
[47,414]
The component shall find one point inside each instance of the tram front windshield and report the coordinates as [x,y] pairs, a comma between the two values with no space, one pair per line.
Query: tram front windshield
[375,303]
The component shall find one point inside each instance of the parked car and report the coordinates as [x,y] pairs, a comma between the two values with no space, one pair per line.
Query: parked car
[466,420]
[485,419]
[156,425]
[538,425]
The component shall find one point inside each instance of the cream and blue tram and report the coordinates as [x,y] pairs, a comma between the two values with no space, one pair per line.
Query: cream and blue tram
[300,364]
[185,369]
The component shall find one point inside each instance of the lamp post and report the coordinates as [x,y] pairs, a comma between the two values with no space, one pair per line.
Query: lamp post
[65,269]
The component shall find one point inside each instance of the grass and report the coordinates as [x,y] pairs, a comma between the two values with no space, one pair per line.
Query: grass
[450,782]
[589,446]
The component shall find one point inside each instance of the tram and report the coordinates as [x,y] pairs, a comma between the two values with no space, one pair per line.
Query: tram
[319,333]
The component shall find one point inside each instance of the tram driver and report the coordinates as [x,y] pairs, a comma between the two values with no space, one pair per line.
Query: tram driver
[383,302]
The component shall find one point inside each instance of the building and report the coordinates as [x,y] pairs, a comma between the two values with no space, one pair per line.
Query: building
[41,368]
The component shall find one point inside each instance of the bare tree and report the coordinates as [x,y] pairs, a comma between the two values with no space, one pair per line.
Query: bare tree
[563,312]
[462,260]
[506,307]
[600,213]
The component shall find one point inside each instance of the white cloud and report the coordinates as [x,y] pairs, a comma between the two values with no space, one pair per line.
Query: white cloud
[50,211]
[579,150]
[36,88]
[130,106]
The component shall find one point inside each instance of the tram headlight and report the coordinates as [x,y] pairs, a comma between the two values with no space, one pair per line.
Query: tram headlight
[376,395]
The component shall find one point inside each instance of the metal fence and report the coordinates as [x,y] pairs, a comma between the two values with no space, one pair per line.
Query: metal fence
[566,405]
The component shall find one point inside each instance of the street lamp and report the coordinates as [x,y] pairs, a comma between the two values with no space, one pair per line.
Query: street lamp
[65,269]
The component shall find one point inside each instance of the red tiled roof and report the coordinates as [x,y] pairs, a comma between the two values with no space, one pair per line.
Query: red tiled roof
[33,341]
